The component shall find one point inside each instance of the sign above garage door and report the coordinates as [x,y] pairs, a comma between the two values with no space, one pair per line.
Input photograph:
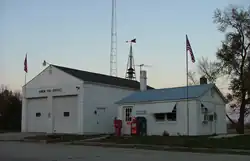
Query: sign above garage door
[50,90]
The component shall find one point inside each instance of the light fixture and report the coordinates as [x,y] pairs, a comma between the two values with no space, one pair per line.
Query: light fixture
[44,63]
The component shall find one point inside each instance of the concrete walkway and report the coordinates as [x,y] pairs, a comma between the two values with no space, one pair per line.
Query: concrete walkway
[225,136]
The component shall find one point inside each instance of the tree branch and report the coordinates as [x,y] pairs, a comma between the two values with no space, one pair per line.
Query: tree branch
[231,120]
[191,77]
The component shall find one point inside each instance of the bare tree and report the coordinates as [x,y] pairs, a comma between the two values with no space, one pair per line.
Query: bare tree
[209,69]
[192,78]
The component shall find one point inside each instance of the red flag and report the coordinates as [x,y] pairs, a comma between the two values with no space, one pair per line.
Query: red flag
[131,41]
[25,64]
[189,48]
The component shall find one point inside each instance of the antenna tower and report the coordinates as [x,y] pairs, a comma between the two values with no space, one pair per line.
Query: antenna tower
[113,47]
[130,72]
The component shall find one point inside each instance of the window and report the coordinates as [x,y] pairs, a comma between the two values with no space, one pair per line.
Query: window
[66,114]
[211,117]
[172,115]
[206,117]
[215,116]
[159,116]
[38,114]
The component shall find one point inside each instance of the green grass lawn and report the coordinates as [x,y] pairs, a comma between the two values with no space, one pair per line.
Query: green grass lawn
[237,142]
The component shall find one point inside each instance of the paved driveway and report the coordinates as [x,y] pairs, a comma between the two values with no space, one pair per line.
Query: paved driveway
[14,151]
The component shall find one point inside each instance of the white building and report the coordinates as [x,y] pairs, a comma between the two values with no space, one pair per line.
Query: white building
[64,100]
[166,110]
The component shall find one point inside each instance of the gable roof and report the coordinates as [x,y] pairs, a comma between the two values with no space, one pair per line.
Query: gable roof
[101,78]
[176,93]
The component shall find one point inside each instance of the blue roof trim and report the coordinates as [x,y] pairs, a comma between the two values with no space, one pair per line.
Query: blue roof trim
[176,93]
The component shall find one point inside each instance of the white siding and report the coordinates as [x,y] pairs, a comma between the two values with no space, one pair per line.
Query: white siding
[193,116]
[213,101]
[209,127]
[212,96]
[46,80]
[173,128]
[221,126]
[50,77]
[101,98]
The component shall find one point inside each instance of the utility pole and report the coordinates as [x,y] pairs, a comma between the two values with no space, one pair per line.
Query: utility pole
[113,47]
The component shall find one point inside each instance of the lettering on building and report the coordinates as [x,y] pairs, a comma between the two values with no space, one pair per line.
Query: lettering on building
[141,112]
[50,90]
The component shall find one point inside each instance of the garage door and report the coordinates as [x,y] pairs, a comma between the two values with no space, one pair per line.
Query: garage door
[37,112]
[65,114]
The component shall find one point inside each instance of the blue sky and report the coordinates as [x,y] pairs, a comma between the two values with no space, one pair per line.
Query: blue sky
[76,34]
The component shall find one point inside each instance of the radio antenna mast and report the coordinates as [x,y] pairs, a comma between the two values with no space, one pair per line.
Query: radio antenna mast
[130,72]
[113,47]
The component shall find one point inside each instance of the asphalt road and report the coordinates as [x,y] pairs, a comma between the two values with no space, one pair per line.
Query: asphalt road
[14,151]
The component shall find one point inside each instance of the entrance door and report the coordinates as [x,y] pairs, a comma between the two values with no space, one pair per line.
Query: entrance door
[37,115]
[65,114]
[127,118]
[142,126]
[101,120]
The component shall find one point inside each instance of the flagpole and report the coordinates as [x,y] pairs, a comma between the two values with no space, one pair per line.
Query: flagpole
[25,76]
[187,87]
[24,95]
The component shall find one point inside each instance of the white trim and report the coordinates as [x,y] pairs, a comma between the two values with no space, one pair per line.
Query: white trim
[153,102]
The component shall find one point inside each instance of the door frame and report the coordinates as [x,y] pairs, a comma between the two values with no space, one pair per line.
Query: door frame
[44,120]
[53,110]
[126,120]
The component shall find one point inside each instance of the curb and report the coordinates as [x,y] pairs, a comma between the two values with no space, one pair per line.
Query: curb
[10,140]
[32,141]
[165,148]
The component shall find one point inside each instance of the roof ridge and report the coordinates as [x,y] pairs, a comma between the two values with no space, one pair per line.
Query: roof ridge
[198,85]
[186,86]
[92,72]
[100,78]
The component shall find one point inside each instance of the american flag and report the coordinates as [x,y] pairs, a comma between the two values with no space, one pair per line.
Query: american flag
[189,48]
[26,64]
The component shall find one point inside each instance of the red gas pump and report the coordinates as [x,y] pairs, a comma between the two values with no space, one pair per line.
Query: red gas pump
[134,126]
[117,126]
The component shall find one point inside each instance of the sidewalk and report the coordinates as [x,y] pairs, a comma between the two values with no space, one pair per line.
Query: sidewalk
[163,148]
